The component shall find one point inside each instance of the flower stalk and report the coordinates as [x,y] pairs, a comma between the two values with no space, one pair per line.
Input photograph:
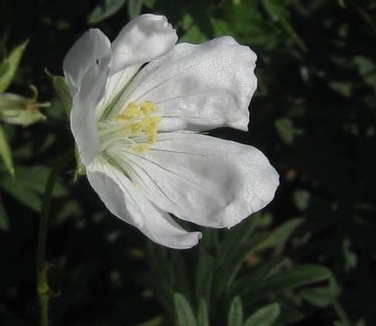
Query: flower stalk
[43,289]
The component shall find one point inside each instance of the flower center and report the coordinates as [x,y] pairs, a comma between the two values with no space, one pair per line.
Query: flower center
[135,125]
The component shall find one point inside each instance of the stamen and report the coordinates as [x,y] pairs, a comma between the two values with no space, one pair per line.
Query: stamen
[139,123]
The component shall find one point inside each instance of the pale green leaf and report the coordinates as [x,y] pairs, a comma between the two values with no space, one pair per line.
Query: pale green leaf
[265,316]
[202,315]
[134,8]
[235,315]
[281,233]
[6,152]
[184,311]
[301,275]
[105,10]
[8,67]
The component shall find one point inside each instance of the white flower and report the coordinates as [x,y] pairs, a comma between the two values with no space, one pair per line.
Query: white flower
[136,128]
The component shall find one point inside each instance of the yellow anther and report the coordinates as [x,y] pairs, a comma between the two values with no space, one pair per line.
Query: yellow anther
[140,122]
[141,148]
[148,107]
[132,110]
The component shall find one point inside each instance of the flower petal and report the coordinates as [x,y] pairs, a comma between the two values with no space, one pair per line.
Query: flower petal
[202,179]
[200,87]
[126,202]
[93,49]
[141,40]
[86,70]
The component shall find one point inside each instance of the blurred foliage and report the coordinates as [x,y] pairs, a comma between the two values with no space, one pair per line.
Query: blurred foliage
[314,117]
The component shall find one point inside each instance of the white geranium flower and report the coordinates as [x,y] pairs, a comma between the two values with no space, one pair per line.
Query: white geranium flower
[136,129]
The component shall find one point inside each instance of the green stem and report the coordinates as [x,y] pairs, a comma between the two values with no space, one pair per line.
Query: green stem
[42,283]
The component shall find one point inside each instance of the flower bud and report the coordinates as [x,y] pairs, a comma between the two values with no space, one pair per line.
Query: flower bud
[16,109]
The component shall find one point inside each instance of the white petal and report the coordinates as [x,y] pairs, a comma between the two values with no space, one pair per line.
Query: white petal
[86,69]
[126,202]
[200,87]
[116,93]
[143,39]
[202,179]
[92,49]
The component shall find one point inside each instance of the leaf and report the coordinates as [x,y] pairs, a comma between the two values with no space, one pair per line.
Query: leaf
[205,274]
[320,296]
[235,315]
[301,199]
[9,66]
[281,233]
[5,152]
[156,321]
[286,130]
[265,316]
[134,8]
[233,263]
[277,9]
[105,10]
[257,274]
[293,278]
[202,315]
[193,32]
[35,178]
[184,311]
[24,195]
[366,69]
[30,185]
[4,221]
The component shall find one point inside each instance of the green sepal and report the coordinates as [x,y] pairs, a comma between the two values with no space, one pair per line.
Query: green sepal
[20,110]
[62,91]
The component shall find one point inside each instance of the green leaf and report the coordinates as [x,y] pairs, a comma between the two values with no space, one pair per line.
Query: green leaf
[30,185]
[257,274]
[205,274]
[366,69]
[235,315]
[233,263]
[105,10]
[24,195]
[202,315]
[156,321]
[265,316]
[301,199]
[149,3]
[293,278]
[281,233]
[286,129]
[193,32]
[9,65]
[277,9]
[134,8]
[4,221]
[35,178]
[320,296]
[5,152]
[237,235]
[184,311]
